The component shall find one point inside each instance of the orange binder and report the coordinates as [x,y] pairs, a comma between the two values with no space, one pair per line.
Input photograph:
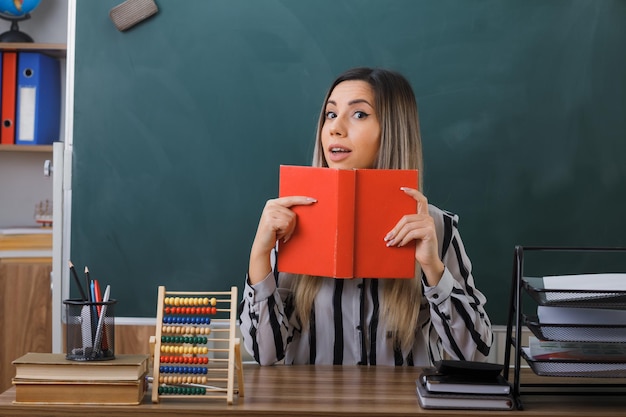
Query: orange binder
[342,234]
[9,87]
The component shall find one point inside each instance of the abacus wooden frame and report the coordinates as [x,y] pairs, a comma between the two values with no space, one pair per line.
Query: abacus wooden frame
[231,364]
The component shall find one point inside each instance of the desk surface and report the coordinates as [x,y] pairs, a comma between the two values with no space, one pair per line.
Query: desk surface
[321,391]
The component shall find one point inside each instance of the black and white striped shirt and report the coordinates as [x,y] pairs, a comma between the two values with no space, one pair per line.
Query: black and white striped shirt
[345,327]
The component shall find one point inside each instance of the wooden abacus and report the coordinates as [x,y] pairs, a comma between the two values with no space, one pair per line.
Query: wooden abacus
[193,356]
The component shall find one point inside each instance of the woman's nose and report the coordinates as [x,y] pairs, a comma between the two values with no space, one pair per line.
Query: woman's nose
[337,127]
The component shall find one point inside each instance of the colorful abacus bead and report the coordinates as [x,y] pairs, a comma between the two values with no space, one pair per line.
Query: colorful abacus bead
[165,390]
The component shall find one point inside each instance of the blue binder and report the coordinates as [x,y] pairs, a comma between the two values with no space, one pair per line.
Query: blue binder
[38,110]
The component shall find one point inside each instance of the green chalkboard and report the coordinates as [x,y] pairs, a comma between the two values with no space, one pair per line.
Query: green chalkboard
[181,122]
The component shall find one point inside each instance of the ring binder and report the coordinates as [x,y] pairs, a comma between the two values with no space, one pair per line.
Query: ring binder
[38,111]
[9,74]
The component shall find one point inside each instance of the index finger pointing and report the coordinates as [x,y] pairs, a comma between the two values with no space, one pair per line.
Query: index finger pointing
[295,200]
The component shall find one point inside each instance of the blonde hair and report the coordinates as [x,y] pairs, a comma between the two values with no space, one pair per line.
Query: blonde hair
[400,148]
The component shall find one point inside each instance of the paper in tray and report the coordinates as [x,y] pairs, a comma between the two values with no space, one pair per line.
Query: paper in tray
[562,368]
[573,297]
[614,333]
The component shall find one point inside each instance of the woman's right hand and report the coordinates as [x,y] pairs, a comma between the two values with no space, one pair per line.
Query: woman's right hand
[277,222]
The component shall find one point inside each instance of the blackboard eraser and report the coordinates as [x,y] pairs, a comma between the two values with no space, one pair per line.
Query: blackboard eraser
[132,12]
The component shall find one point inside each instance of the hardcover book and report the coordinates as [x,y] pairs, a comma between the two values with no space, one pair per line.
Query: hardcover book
[80,392]
[342,234]
[54,367]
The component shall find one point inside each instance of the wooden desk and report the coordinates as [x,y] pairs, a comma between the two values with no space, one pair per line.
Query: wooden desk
[321,391]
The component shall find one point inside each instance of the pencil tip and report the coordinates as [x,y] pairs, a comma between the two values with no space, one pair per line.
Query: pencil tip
[71,264]
[86,270]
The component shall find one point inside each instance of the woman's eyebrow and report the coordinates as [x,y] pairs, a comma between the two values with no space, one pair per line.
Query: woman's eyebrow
[358,101]
[351,102]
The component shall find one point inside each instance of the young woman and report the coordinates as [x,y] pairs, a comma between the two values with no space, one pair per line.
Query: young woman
[369,119]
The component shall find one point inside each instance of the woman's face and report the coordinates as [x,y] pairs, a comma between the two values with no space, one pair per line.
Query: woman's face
[351,130]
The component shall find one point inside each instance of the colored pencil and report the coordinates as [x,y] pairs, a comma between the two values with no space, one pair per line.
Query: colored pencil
[80,287]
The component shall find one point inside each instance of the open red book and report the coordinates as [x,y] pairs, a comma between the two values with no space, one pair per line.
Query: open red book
[342,234]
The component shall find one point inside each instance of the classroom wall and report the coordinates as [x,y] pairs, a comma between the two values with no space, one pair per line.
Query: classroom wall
[181,124]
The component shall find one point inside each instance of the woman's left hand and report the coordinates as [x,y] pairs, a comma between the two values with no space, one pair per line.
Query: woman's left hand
[421,228]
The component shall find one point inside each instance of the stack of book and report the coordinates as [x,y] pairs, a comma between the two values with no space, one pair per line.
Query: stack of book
[464,385]
[52,379]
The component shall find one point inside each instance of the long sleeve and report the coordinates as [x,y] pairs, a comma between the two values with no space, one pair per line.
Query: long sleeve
[456,307]
[263,321]
[345,327]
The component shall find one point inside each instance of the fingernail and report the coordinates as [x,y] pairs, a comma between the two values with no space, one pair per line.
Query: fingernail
[313,200]
[388,237]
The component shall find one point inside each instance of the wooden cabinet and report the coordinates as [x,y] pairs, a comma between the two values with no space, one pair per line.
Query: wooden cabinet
[25,311]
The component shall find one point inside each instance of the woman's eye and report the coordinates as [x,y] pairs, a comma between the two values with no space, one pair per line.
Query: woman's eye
[360,115]
[330,115]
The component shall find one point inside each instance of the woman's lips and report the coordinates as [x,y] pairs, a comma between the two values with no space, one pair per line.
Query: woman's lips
[338,153]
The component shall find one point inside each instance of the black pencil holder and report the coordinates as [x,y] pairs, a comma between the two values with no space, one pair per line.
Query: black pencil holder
[90,331]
